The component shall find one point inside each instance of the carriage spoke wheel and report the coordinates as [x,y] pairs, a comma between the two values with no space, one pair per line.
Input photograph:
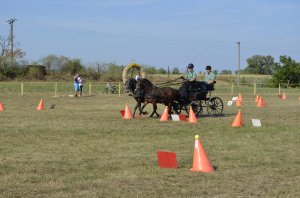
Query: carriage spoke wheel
[214,106]
[177,107]
[196,106]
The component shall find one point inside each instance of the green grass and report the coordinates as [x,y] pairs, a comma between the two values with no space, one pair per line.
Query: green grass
[83,148]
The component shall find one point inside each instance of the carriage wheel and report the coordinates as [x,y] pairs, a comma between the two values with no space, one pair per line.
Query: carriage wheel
[214,106]
[177,107]
[196,106]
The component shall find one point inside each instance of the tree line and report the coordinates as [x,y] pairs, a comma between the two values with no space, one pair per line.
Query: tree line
[53,67]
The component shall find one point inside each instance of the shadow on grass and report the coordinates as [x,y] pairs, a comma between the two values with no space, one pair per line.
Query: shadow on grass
[217,116]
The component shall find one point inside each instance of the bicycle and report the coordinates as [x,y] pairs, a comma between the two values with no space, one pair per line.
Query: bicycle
[112,89]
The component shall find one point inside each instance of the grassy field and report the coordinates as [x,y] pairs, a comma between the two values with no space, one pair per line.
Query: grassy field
[83,148]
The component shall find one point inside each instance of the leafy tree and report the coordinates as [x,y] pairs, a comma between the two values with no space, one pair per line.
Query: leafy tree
[226,72]
[53,62]
[162,71]
[36,72]
[260,65]
[150,69]
[175,71]
[288,70]
[73,66]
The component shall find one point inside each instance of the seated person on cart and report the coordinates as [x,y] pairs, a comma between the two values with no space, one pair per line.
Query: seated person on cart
[191,83]
[209,78]
[190,78]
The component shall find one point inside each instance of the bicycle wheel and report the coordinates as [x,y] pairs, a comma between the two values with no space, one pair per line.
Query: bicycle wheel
[105,90]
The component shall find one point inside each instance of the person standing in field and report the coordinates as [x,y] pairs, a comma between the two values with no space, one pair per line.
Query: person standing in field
[76,85]
[80,83]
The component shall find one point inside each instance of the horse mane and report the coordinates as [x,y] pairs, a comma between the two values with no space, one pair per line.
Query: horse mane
[147,81]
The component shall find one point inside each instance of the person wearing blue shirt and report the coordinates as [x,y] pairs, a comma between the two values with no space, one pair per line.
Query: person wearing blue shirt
[76,85]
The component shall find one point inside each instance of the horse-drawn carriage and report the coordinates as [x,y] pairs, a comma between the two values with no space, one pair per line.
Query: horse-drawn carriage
[190,94]
[198,97]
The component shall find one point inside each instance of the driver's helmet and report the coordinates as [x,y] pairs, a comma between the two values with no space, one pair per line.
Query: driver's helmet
[190,66]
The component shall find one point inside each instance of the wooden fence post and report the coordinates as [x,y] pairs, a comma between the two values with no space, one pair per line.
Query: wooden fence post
[279,89]
[254,88]
[22,88]
[90,88]
[231,88]
[119,89]
[55,89]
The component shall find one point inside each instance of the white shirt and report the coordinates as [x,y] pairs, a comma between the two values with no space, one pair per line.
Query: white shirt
[137,77]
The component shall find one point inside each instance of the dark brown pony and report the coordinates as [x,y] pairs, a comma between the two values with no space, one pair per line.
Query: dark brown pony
[154,95]
[130,85]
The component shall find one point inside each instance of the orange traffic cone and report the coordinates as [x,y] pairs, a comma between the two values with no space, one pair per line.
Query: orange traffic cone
[283,97]
[238,102]
[40,106]
[240,97]
[257,98]
[127,114]
[299,98]
[192,116]
[165,116]
[201,162]
[238,120]
[260,102]
[1,107]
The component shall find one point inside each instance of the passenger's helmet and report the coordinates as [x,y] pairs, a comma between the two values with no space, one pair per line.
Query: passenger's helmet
[208,67]
[190,65]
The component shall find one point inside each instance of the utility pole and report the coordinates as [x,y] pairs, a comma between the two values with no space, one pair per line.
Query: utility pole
[239,62]
[11,23]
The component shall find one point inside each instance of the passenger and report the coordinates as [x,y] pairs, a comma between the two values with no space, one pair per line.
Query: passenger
[209,78]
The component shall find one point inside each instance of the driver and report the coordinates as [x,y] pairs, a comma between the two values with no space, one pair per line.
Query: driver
[191,74]
[190,78]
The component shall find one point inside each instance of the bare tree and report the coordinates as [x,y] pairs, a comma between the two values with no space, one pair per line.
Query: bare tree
[4,44]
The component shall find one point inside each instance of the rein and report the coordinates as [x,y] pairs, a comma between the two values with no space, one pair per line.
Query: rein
[170,83]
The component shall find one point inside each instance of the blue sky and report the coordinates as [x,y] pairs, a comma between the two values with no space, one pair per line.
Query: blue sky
[155,32]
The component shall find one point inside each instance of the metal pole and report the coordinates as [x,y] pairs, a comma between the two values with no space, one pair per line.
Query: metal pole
[11,23]
[239,62]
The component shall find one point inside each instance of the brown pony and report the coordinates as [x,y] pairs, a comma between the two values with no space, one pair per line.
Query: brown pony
[130,85]
[154,95]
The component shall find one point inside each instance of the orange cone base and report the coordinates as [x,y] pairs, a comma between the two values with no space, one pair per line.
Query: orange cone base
[165,116]
[192,116]
[40,106]
[206,171]
[1,107]
[201,162]
[127,113]
[237,120]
